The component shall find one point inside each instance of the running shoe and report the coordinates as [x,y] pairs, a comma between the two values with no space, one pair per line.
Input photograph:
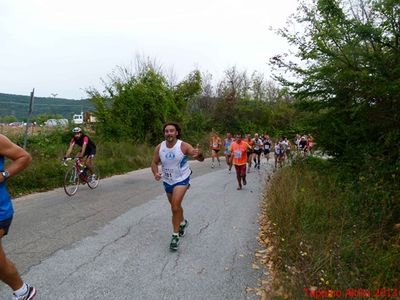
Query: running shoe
[174,242]
[30,294]
[182,228]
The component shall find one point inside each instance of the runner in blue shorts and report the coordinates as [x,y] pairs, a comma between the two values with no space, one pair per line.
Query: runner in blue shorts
[173,155]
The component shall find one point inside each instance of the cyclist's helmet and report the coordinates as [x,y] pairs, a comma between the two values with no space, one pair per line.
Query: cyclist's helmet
[76,130]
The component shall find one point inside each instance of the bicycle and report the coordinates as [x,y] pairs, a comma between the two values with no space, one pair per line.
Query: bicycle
[78,174]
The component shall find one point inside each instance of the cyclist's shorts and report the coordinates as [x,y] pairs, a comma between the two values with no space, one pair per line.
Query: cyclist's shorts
[169,188]
[90,154]
[5,225]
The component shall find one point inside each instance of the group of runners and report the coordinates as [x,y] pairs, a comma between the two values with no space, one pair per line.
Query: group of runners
[257,146]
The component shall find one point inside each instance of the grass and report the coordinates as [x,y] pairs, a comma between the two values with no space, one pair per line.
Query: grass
[324,234]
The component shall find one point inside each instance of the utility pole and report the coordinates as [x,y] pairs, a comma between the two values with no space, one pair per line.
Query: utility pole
[29,118]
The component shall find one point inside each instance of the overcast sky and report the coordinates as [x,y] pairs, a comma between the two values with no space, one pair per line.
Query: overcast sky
[64,47]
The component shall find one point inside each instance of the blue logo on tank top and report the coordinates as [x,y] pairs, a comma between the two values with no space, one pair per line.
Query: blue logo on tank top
[170,155]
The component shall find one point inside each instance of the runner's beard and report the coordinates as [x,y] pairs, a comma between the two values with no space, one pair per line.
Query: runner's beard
[170,138]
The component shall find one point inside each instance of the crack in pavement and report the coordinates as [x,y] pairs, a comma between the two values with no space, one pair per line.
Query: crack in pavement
[101,250]
[203,228]
[98,254]
[163,269]
[234,259]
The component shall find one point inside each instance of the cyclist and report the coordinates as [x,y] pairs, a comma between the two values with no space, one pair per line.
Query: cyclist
[172,154]
[88,148]
[8,272]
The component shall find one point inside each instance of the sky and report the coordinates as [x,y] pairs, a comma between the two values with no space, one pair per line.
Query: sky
[62,48]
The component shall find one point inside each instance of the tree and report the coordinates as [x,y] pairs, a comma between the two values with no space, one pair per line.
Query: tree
[135,105]
[235,85]
[349,74]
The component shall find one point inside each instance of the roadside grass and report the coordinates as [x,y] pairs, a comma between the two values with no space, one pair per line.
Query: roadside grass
[324,234]
[47,149]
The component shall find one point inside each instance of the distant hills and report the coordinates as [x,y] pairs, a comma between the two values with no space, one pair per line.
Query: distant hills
[18,106]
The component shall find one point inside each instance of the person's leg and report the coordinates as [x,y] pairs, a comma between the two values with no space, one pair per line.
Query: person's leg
[227,159]
[176,206]
[212,158]
[243,174]
[8,272]
[89,163]
[249,156]
[238,177]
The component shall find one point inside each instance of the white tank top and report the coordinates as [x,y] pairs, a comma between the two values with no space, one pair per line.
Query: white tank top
[175,166]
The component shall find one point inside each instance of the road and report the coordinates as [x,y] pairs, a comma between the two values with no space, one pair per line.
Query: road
[113,242]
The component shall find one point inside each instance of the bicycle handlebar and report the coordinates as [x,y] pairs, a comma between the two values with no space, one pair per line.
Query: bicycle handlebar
[64,162]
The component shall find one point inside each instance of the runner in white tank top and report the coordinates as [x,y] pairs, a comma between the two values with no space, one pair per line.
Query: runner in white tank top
[172,154]
[175,166]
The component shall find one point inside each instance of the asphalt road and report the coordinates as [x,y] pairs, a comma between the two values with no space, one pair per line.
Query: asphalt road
[113,242]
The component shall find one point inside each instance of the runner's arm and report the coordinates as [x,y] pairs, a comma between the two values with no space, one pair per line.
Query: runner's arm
[195,153]
[155,162]
[21,159]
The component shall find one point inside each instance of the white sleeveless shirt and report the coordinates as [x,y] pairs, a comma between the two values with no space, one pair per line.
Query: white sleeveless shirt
[175,166]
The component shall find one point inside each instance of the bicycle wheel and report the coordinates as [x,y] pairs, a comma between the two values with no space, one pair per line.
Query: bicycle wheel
[93,178]
[71,181]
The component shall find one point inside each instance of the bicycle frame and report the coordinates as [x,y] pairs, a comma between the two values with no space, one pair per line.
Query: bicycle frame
[76,175]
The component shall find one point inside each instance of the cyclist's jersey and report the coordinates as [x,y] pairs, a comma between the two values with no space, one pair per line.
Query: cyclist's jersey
[239,153]
[227,145]
[258,144]
[84,139]
[6,207]
[175,166]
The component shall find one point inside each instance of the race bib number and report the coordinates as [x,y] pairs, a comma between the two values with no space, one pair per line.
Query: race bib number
[237,154]
[167,173]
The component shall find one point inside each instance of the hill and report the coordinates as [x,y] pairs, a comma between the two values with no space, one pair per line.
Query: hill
[18,106]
